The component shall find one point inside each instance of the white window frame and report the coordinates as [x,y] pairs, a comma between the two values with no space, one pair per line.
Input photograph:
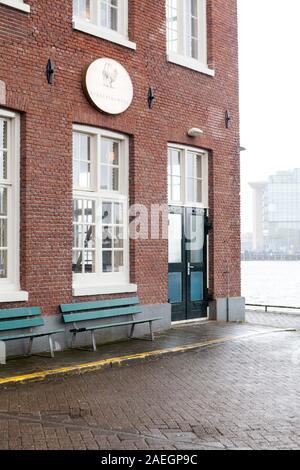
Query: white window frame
[181,57]
[10,287]
[100,283]
[95,29]
[184,202]
[18,4]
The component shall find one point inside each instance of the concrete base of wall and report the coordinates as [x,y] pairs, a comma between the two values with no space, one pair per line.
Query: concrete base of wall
[109,335]
[228,309]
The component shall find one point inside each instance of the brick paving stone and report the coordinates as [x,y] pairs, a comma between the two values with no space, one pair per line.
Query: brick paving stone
[238,395]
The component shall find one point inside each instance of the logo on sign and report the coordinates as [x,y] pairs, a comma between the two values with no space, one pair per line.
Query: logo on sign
[108,86]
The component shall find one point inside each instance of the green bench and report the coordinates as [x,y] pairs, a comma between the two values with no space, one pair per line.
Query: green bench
[127,309]
[24,319]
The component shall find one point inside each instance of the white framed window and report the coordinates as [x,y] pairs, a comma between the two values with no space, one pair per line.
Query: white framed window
[18,4]
[187,176]
[9,207]
[187,34]
[100,212]
[107,19]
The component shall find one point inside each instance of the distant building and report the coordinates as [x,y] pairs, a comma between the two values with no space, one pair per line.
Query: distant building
[276,213]
[247,242]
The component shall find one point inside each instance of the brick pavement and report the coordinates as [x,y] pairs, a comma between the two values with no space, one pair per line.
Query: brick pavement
[243,394]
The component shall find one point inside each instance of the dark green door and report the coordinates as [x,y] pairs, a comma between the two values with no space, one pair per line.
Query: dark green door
[187,263]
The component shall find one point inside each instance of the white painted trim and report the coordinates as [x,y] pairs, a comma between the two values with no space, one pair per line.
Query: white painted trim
[10,287]
[190,63]
[18,4]
[14,296]
[103,33]
[103,290]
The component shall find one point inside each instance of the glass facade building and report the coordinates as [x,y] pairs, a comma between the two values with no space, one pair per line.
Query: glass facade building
[277,213]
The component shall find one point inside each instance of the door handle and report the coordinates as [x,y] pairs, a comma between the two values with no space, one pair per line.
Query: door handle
[189,268]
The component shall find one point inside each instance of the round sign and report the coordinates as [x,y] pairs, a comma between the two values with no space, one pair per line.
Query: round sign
[108,86]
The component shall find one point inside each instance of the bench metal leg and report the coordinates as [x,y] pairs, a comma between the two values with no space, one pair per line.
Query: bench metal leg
[73,341]
[30,347]
[94,341]
[151,330]
[51,346]
[131,331]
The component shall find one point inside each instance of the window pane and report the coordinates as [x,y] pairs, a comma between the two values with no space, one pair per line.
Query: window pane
[89,262]
[119,237]
[175,238]
[176,188]
[175,288]
[78,210]
[172,25]
[197,286]
[3,233]
[119,261]
[109,178]
[194,165]
[3,165]
[109,14]
[3,201]
[82,9]
[107,213]
[119,218]
[3,134]
[107,237]
[81,160]
[194,190]
[107,261]
[77,262]
[109,152]
[3,264]
[78,236]
[196,235]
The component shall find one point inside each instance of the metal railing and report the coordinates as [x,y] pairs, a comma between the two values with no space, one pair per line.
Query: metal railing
[268,307]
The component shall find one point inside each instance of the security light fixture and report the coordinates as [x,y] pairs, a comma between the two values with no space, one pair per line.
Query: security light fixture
[50,71]
[195,132]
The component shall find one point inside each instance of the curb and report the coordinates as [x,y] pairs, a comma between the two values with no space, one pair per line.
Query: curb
[130,359]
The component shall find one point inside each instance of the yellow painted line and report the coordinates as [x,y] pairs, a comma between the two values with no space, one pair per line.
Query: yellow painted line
[91,366]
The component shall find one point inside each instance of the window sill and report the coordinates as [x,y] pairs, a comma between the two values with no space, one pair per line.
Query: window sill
[80,291]
[14,296]
[103,33]
[190,63]
[16,4]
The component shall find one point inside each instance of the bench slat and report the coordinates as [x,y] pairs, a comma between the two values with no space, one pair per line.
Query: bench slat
[116,312]
[30,335]
[20,312]
[80,307]
[111,325]
[20,324]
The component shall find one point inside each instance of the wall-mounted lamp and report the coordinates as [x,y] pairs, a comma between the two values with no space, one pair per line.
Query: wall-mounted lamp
[227,119]
[50,70]
[151,98]
[195,132]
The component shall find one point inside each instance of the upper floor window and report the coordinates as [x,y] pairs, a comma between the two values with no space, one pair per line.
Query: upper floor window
[187,33]
[187,176]
[107,19]
[18,4]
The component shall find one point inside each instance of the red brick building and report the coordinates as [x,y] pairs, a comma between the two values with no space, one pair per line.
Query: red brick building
[72,166]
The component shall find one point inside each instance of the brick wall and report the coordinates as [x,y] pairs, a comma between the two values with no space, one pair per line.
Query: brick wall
[184,99]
